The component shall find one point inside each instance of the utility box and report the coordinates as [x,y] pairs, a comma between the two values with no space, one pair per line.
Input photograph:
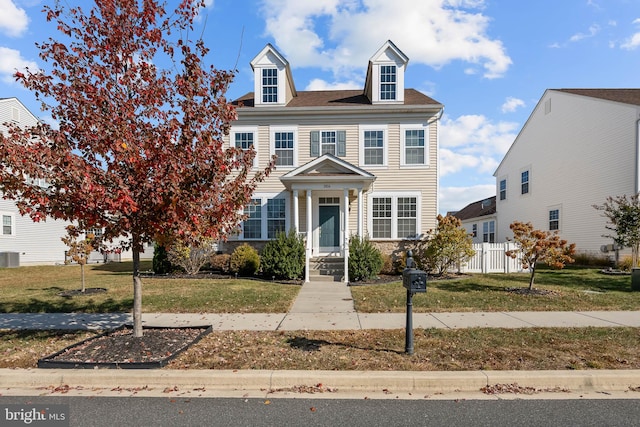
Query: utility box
[9,259]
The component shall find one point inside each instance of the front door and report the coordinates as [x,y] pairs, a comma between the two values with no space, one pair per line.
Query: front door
[329,217]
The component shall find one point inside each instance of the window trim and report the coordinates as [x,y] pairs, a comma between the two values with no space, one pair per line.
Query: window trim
[13,224]
[272,144]
[403,148]
[264,216]
[394,213]
[385,145]
[246,129]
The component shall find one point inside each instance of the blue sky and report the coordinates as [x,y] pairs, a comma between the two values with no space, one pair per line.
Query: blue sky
[487,61]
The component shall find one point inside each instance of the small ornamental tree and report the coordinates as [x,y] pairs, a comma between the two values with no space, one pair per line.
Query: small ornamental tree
[139,151]
[80,249]
[539,246]
[445,247]
[191,257]
[623,219]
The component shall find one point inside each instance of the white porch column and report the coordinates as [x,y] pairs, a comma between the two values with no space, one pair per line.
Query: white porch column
[307,257]
[360,212]
[296,219]
[346,235]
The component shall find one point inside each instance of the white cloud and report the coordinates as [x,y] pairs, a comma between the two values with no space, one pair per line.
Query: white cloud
[456,198]
[431,32]
[511,104]
[593,30]
[10,61]
[13,20]
[634,41]
[319,84]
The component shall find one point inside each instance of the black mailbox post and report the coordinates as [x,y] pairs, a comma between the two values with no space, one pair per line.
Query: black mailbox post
[414,281]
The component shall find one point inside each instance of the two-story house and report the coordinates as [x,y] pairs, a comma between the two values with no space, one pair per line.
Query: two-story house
[349,162]
[578,147]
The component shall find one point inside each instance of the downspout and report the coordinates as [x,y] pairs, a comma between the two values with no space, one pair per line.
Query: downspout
[438,117]
[637,183]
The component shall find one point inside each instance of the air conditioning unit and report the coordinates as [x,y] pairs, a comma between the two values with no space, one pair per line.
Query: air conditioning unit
[9,259]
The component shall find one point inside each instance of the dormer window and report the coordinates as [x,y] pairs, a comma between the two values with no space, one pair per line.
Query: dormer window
[388,82]
[269,85]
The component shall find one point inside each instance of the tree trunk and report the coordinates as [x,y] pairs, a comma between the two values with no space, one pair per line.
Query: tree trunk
[137,290]
[82,276]
[533,272]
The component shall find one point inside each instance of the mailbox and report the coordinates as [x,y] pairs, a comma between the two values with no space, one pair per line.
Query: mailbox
[414,280]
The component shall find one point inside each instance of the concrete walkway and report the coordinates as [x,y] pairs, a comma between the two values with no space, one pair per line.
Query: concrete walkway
[324,306]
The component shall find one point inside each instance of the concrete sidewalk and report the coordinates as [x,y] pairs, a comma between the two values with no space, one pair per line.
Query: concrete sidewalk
[321,306]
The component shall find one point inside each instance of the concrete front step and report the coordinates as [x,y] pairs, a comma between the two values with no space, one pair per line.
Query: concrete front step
[326,268]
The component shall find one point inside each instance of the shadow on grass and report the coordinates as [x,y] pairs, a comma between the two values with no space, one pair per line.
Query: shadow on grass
[306,344]
[125,267]
[468,285]
[67,305]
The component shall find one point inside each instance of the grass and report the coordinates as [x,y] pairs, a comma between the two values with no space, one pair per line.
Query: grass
[435,349]
[572,289]
[37,289]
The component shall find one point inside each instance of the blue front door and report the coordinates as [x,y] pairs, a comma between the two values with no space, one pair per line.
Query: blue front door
[329,226]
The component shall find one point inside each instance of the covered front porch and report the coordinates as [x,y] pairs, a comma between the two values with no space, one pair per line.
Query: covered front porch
[324,192]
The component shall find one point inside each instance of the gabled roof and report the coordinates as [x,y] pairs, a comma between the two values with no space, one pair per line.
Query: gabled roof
[328,168]
[477,209]
[270,55]
[626,96]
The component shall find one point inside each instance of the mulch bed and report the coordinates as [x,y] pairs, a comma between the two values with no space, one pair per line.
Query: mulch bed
[120,349]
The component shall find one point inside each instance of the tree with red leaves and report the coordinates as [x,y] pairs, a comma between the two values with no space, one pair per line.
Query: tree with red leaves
[539,246]
[139,149]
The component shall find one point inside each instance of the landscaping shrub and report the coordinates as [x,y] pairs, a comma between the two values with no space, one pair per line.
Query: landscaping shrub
[245,260]
[161,264]
[625,263]
[283,257]
[365,260]
[586,259]
[191,257]
[221,263]
[388,266]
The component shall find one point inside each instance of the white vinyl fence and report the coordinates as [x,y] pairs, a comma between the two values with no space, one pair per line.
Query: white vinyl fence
[492,258]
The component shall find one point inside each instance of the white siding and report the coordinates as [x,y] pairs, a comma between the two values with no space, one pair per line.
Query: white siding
[578,153]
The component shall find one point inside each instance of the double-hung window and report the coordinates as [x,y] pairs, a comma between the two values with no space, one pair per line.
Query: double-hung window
[373,146]
[394,216]
[489,232]
[266,216]
[276,216]
[252,226]
[388,79]
[503,189]
[524,182]
[414,145]
[328,142]
[269,85]
[8,224]
[554,219]
[284,146]
[246,139]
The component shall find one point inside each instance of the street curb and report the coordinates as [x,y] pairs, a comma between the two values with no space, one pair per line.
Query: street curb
[360,381]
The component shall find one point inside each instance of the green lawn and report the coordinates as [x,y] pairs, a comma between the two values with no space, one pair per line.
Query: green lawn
[37,289]
[573,289]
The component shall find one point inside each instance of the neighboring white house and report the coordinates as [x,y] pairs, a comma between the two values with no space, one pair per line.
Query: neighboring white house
[23,241]
[578,147]
[479,219]
[350,162]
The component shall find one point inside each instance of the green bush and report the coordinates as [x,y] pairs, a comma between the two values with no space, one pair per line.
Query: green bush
[365,260]
[160,263]
[245,260]
[283,257]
